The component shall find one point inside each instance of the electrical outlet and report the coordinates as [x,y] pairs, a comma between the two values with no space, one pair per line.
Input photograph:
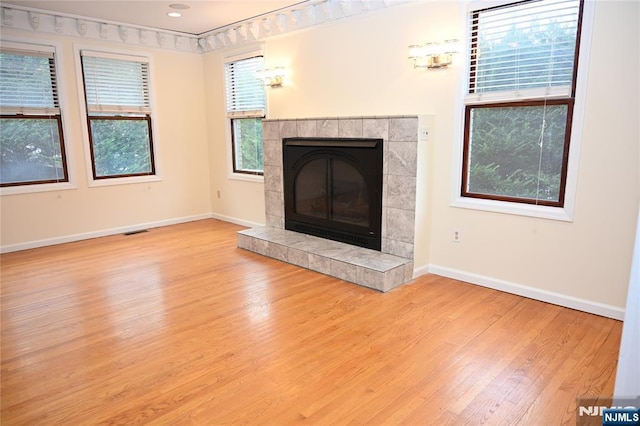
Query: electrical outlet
[457,236]
[424,133]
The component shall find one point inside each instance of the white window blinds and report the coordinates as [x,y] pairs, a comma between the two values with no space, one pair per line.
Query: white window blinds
[28,82]
[245,93]
[523,51]
[116,83]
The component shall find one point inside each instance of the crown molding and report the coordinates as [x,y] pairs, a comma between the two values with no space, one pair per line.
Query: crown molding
[43,21]
[277,23]
[286,21]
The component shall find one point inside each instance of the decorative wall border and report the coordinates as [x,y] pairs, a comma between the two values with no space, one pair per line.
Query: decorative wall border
[47,22]
[309,14]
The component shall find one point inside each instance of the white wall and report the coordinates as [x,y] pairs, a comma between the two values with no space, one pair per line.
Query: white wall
[628,371]
[239,201]
[45,217]
[589,258]
[359,67]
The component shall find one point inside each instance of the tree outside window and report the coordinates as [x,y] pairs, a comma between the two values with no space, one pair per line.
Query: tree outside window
[31,138]
[520,101]
[245,110]
[118,115]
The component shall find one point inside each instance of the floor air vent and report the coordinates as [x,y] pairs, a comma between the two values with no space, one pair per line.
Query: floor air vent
[140,231]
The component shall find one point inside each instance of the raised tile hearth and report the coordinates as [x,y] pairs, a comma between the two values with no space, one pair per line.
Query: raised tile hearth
[379,270]
[369,268]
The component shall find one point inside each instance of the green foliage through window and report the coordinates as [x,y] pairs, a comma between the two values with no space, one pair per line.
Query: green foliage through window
[520,99]
[31,139]
[31,151]
[245,110]
[121,147]
[247,136]
[517,151]
[117,94]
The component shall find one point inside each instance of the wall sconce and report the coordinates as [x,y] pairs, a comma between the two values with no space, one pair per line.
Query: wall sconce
[272,77]
[434,55]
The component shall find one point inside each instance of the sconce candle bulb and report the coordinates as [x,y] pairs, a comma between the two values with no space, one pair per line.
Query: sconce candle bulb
[272,77]
[434,54]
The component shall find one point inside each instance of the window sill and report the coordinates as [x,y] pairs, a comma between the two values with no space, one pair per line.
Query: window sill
[247,177]
[30,189]
[124,180]
[563,214]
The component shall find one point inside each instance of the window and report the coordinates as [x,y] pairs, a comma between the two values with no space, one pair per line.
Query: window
[118,114]
[31,137]
[245,110]
[520,101]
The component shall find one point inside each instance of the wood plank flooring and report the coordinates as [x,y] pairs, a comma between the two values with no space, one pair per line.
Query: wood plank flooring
[179,326]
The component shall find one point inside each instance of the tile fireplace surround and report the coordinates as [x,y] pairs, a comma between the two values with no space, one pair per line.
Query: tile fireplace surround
[384,270]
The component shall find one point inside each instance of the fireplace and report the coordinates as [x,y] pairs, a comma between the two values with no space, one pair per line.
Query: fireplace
[333,188]
[382,270]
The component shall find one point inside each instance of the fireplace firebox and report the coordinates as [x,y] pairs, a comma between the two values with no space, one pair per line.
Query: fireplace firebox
[333,188]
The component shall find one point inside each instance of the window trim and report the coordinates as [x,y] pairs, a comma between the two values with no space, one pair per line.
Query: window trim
[233,148]
[512,199]
[566,212]
[238,55]
[27,44]
[93,181]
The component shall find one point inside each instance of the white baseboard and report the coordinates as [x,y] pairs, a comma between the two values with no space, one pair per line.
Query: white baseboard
[236,221]
[421,270]
[101,233]
[525,291]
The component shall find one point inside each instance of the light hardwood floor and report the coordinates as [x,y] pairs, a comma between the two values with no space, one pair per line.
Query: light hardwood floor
[178,326]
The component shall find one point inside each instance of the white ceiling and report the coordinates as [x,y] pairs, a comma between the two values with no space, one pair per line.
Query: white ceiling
[201,16]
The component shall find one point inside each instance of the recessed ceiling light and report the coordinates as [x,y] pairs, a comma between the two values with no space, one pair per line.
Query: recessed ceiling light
[174,14]
[179,6]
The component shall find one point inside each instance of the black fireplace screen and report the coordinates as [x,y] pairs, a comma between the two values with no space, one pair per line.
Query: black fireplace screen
[333,188]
